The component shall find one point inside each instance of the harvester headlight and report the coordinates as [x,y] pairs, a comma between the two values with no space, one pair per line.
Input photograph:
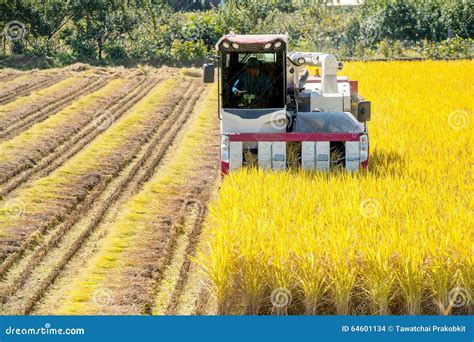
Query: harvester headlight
[235,46]
[225,148]
[267,46]
[301,60]
[278,45]
[226,45]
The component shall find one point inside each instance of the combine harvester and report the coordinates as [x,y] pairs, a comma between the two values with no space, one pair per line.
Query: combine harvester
[274,115]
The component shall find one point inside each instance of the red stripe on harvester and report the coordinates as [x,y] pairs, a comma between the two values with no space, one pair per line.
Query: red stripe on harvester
[294,137]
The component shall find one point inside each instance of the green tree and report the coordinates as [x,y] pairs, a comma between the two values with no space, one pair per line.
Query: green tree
[43,22]
[101,23]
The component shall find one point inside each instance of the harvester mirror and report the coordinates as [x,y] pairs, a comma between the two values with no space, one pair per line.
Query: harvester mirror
[363,111]
[208,73]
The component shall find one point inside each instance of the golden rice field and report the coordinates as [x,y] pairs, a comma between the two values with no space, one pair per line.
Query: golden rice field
[396,239]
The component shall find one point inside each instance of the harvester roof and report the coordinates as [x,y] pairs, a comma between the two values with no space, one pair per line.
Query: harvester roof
[251,39]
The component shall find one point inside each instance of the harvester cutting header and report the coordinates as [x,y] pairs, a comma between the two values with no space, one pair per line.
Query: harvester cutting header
[274,115]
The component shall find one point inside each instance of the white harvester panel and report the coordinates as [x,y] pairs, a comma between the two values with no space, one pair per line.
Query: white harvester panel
[264,154]
[333,102]
[352,155]
[236,155]
[322,155]
[278,155]
[345,89]
[308,155]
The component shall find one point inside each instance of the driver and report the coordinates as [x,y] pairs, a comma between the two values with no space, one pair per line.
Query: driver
[252,81]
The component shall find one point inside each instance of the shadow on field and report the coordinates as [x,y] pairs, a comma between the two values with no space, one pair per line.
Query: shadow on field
[383,163]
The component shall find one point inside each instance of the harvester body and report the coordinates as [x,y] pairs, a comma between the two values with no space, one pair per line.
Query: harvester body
[279,116]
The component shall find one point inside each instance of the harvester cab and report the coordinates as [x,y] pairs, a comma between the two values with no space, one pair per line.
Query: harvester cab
[275,115]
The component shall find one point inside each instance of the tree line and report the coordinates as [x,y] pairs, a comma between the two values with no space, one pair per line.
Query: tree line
[166,31]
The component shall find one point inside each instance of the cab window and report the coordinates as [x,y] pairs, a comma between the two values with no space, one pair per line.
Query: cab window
[244,88]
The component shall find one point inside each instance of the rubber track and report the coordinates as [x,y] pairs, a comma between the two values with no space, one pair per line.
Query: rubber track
[24,90]
[153,152]
[36,115]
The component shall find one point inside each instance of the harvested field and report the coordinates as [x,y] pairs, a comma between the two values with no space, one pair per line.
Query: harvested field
[27,83]
[8,75]
[21,114]
[75,155]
